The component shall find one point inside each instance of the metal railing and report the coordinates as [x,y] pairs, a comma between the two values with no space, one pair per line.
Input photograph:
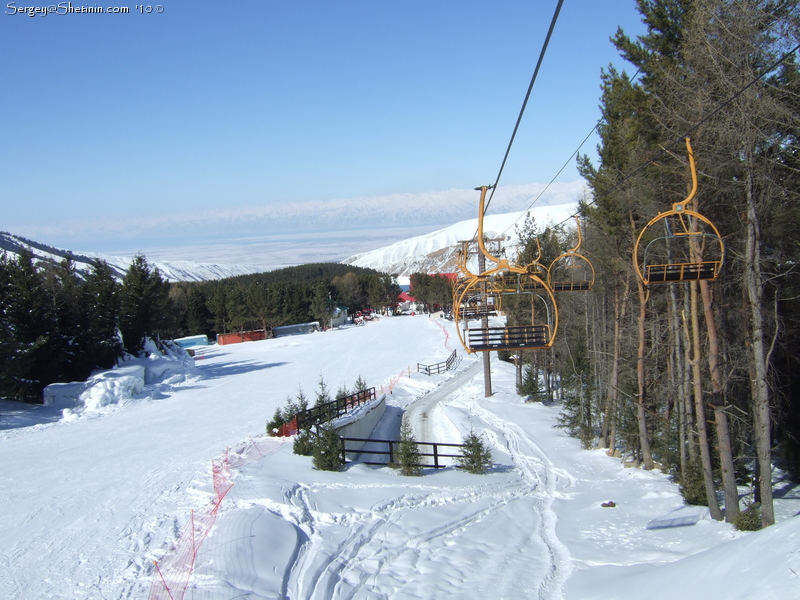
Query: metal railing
[388,448]
[332,410]
[439,367]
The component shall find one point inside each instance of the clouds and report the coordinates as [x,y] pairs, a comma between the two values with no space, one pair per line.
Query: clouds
[241,221]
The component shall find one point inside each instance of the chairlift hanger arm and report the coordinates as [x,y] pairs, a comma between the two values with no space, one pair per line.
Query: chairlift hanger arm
[679,207]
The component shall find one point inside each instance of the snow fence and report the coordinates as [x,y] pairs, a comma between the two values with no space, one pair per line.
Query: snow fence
[173,572]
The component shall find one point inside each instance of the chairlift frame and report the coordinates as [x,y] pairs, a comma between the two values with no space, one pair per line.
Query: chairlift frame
[682,226]
[495,283]
[577,285]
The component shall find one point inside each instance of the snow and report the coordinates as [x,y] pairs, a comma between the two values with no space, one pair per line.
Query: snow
[173,270]
[89,502]
[435,252]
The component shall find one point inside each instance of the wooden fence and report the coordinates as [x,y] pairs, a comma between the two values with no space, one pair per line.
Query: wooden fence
[329,411]
[387,448]
[437,368]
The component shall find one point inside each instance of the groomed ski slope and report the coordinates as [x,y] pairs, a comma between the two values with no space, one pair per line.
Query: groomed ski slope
[89,503]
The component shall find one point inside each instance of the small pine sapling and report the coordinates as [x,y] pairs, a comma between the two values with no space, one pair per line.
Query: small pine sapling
[323,394]
[290,410]
[342,393]
[407,457]
[531,386]
[750,518]
[275,423]
[475,454]
[303,443]
[360,385]
[692,486]
[302,401]
[328,451]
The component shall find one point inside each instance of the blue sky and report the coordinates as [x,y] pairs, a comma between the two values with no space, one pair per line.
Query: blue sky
[218,105]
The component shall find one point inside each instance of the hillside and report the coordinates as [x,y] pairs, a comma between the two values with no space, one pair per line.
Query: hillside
[89,502]
[435,252]
[171,270]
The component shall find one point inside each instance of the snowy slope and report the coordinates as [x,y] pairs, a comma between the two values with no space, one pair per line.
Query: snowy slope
[171,270]
[435,252]
[87,504]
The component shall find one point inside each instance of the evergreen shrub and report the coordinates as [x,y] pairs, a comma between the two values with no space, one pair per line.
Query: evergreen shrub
[327,451]
[530,386]
[274,424]
[692,486]
[303,443]
[408,458]
[475,455]
[749,519]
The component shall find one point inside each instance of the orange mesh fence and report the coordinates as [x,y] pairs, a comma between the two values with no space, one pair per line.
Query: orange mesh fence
[173,572]
[288,429]
[446,334]
[393,381]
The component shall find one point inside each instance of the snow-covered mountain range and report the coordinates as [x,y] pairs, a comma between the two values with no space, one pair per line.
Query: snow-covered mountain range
[430,253]
[171,270]
[436,252]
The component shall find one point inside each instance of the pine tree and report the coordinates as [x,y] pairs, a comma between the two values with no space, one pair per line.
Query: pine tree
[199,319]
[531,387]
[342,392]
[69,337]
[32,321]
[322,305]
[100,299]
[322,394]
[328,451]
[360,385]
[303,443]
[476,457]
[143,306]
[302,400]
[407,457]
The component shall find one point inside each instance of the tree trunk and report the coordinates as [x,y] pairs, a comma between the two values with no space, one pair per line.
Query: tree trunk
[687,380]
[676,376]
[608,434]
[754,289]
[720,417]
[641,415]
[705,451]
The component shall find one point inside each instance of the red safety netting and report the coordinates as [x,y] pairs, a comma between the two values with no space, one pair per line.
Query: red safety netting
[288,429]
[174,571]
[446,334]
[393,381]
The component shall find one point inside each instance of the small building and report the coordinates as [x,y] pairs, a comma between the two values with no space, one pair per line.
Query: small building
[192,340]
[339,316]
[224,339]
[296,329]
[406,302]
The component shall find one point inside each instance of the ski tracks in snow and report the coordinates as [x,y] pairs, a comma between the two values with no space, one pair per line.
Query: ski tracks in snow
[544,480]
[390,550]
[435,541]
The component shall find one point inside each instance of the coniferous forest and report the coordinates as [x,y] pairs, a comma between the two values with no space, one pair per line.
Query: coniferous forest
[700,377]
[59,325]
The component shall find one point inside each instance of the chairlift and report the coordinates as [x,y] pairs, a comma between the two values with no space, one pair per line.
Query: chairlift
[679,244]
[572,271]
[488,289]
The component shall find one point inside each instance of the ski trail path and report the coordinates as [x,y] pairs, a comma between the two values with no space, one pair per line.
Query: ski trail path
[425,414]
[387,547]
